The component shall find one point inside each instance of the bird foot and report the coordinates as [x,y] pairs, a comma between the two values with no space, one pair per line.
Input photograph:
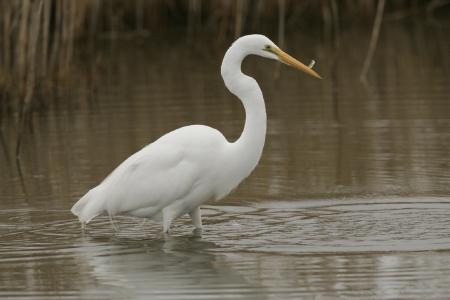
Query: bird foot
[197,232]
[113,224]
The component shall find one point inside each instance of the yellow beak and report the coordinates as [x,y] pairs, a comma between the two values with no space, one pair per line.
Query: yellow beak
[290,61]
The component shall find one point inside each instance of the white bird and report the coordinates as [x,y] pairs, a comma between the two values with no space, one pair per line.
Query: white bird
[191,165]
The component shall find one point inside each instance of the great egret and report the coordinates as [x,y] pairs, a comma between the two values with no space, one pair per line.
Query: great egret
[194,164]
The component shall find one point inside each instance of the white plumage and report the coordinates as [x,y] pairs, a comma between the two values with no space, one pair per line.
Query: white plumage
[194,164]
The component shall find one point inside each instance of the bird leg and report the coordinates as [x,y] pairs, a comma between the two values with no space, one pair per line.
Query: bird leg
[196,217]
[83,227]
[167,220]
[166,226]
[113,224]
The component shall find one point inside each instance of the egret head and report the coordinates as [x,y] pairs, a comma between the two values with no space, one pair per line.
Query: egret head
[262,46]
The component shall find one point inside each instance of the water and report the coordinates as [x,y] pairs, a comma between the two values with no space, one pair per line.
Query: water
[351,198]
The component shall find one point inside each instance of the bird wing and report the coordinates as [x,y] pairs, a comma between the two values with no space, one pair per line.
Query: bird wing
[162,172]
[156,176]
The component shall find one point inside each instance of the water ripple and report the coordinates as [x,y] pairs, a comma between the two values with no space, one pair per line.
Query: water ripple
[367,244]
[327,226]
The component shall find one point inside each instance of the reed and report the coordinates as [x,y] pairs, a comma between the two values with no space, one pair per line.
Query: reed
[36,44]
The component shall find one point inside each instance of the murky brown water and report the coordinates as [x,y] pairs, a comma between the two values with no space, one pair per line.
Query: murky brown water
[351,199]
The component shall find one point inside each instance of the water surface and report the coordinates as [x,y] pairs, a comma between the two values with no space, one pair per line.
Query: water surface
[351,198]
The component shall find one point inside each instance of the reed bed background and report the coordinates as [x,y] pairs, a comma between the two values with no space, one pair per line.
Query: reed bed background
[38,38]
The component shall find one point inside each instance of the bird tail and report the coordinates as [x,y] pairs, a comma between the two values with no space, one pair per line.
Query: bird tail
[88,207]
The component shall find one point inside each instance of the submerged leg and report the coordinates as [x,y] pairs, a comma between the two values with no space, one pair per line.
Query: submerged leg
[113,224]
[167,220]
[83,227]
[196,217]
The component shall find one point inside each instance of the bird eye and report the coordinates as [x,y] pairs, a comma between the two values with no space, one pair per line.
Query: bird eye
[267,48]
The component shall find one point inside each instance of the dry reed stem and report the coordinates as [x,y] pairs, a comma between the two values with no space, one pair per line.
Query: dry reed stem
[373,40]
[281,32]
[30,75]
[238,18]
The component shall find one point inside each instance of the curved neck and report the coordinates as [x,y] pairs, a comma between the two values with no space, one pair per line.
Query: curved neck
[250,144]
